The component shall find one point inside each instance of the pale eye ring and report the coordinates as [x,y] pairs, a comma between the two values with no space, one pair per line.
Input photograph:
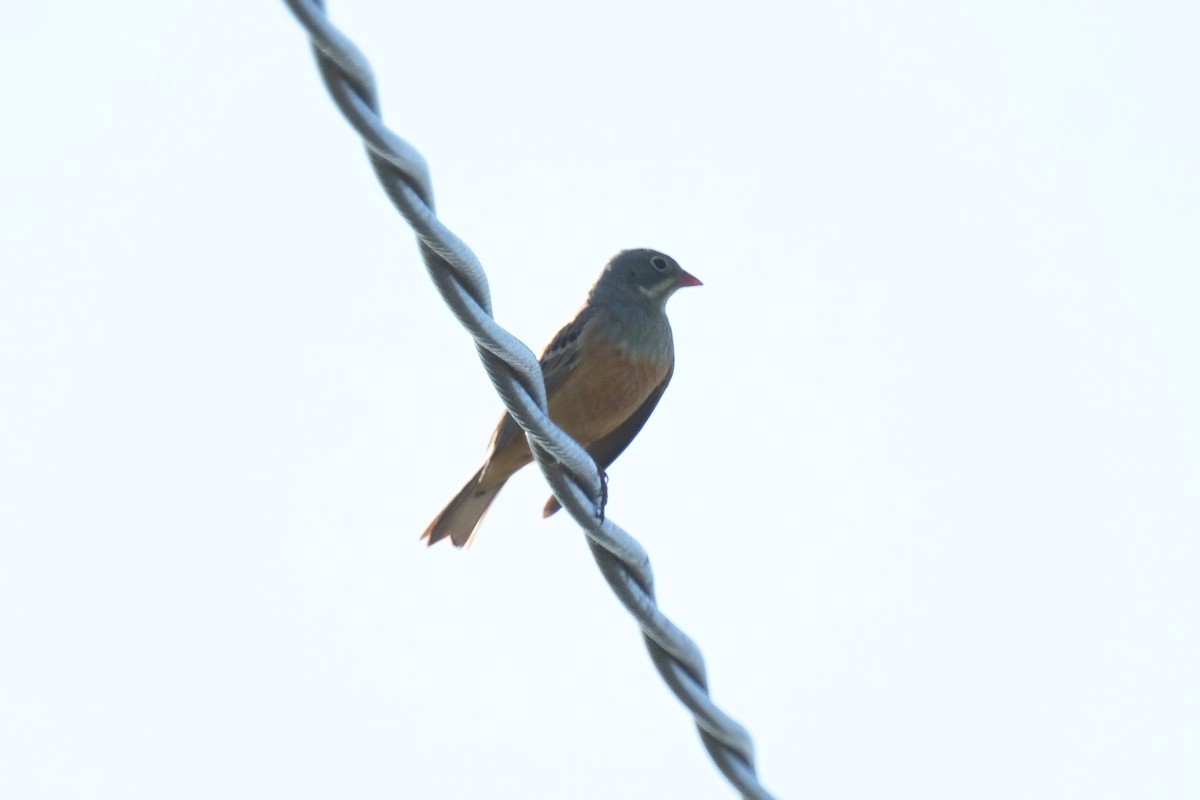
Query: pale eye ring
[659,263]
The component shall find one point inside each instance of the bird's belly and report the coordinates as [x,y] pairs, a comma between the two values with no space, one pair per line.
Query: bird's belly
[592,402]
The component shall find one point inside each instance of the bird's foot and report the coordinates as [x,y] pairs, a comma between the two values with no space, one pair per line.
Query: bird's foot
[603,494]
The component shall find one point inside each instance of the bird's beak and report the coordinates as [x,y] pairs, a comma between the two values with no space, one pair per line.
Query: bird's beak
[688,279]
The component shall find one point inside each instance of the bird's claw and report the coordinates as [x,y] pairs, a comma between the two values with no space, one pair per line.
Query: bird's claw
[603,495]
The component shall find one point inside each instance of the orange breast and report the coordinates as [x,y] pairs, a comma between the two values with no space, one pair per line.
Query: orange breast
[619,362]
[603,390]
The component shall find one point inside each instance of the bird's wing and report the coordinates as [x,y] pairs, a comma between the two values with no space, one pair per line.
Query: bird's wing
[562,354]
[557,361]
[605,451]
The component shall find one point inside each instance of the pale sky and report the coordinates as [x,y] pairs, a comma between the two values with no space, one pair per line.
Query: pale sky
[925,487]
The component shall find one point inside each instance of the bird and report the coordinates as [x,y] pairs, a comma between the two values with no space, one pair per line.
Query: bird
[605,372]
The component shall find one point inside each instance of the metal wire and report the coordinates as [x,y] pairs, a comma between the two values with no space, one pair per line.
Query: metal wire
[514,370]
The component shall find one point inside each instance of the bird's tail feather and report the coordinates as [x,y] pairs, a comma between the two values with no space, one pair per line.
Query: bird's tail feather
[460,519]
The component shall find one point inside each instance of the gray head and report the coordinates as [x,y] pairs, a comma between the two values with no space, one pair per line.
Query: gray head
[643,276]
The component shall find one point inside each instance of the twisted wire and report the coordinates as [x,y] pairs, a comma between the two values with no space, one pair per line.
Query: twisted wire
[514,371]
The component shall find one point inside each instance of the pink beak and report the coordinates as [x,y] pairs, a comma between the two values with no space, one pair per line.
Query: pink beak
[688,279]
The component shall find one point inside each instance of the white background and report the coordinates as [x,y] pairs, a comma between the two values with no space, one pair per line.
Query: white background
[925,488]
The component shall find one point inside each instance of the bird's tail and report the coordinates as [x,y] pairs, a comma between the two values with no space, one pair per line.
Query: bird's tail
[460,519]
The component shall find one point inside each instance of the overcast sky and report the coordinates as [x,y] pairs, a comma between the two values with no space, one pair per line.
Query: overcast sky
[925,488]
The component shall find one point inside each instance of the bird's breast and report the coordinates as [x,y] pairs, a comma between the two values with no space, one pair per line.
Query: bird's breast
[613,378]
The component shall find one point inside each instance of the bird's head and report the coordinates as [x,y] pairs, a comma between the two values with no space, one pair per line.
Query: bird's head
[642,275]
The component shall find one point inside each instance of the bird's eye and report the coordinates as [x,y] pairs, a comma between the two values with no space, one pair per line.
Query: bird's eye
[659,263]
